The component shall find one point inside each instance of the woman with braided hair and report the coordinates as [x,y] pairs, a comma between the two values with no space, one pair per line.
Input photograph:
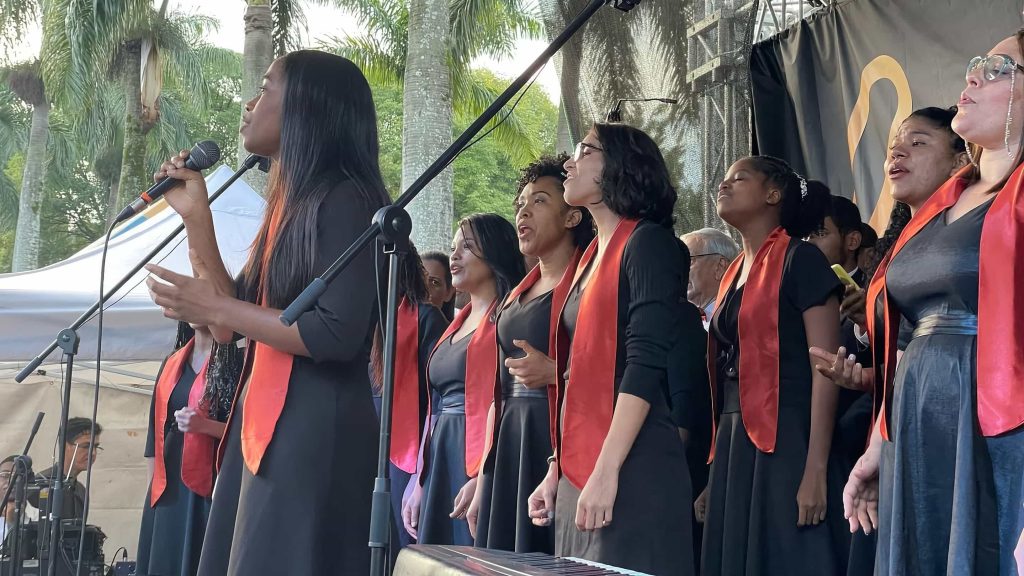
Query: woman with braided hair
[191,401]
[767,490]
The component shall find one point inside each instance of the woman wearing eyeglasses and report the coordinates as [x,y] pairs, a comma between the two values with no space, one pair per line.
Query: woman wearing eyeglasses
[617,486]
[950,441]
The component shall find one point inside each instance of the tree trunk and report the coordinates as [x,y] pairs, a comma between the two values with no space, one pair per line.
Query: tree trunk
[113,197]
[133,180]
[427,122]
[26,236]
[256,58]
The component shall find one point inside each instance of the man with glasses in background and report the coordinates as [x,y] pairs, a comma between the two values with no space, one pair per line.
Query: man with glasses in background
[711,252]
[81,446]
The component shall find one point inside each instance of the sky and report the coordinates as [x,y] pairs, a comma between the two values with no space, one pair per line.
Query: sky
[324,22]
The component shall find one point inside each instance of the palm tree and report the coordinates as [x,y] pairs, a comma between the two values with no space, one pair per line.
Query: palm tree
[174,52]
[426,47]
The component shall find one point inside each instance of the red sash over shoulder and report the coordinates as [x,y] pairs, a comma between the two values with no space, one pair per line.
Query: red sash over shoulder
[405,406]
[589,398]
[558,298]
[269,375]
[1000,369]
[168,378]
[197,452]
[758,330]
[481,379]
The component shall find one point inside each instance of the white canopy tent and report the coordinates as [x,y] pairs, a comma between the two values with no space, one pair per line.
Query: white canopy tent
[35,305]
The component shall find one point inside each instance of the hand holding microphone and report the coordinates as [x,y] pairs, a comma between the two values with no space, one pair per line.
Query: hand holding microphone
[183,168]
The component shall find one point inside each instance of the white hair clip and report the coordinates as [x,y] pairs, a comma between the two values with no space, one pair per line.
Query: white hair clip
[803,187]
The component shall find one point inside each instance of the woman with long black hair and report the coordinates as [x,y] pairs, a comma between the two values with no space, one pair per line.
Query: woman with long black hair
[191,400]
[420,325]
[295,441]
[556,234]
[462,373]
[617,485]
[767,492]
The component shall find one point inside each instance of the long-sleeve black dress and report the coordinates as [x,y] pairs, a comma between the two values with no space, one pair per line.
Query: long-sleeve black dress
[172,532]
[751,525]
[307,511]
[518,462]
[651,527]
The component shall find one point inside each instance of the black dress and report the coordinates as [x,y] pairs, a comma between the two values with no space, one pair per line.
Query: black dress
[432,324]
[308,509]
[171,536]
[949,499]
[518,462]
[690,401]
[445,465]
[651,527]
[751,525]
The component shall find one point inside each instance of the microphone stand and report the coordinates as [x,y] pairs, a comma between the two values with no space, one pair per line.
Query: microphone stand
[394,224]
[68,341]
[18,481]
[249,163]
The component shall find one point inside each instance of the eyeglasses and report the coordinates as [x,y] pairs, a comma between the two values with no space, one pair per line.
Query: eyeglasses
[993,67]
[87,447]
[5,475]
[693,257]
[578,153]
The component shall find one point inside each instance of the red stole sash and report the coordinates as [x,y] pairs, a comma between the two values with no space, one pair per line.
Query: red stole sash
[167,380]
[558,297]
[758,330]
[197,453]
[268,381]
[481,380]
[588,400]
[1000,368]
[406,425]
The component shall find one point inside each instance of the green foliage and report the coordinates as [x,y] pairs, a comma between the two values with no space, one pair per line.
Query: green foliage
[485,176]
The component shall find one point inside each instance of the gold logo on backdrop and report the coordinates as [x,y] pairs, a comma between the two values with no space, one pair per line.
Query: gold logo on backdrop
[881,68]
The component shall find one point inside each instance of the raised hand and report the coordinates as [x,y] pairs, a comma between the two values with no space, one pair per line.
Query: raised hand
[854,306]
[534,370]
[843,370]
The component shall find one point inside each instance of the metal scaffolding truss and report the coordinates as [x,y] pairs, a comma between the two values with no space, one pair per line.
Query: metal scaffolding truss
[777,15]
[718,47]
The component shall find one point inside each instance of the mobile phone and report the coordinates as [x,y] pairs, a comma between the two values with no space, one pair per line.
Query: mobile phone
[844,277]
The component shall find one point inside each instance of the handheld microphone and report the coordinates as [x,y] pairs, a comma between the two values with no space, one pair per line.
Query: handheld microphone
[202,156]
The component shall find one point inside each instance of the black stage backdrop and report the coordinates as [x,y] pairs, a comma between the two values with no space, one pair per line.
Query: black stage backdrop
[829,94]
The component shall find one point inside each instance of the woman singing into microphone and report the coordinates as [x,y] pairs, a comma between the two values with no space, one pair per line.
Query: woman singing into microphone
[299,502]
[624,494]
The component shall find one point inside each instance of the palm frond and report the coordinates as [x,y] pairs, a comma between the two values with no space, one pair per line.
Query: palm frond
[471,97]
[16,16]
[380,66]
[169,135]
[289,25]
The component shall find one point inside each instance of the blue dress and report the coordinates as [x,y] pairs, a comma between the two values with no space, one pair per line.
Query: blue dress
[949,499]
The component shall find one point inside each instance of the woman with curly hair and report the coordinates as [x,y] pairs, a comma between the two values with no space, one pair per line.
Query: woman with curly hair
[556,234]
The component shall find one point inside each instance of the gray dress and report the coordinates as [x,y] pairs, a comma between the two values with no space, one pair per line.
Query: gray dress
[950,499]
